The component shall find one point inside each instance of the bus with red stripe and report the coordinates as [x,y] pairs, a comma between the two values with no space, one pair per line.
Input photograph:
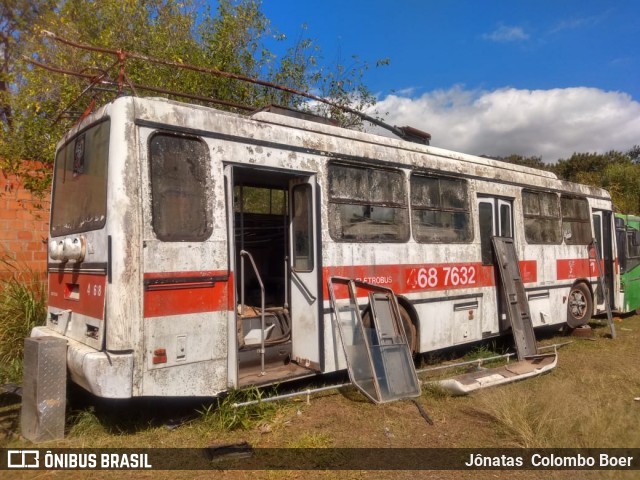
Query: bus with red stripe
[191,248]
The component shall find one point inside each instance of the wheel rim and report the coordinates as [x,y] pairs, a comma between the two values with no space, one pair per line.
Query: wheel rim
[577,304]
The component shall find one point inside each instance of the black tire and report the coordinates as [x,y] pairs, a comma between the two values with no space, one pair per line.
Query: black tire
[410,330]
[579,306]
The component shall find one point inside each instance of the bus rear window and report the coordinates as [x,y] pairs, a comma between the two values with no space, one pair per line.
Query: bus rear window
[79,202]
[367,204]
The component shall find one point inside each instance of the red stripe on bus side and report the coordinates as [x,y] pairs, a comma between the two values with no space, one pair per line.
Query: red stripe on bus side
[190,296]
[404,279]
[572,268]
[82,293]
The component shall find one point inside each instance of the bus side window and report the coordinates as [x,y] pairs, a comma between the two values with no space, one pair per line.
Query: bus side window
[180,183]
[541,211]
[367,204]
[576,225]
[486,232]
[440,210]
[302,227]
[633,249]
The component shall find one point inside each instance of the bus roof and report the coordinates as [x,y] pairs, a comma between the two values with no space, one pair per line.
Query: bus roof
[327,137]
[284,120]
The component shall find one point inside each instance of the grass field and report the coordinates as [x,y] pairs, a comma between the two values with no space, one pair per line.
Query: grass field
[587,401]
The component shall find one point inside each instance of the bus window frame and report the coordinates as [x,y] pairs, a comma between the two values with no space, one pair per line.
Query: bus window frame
[333,202]
[54,197]
[573,220]
[541,218]
[464,183]
[206,191]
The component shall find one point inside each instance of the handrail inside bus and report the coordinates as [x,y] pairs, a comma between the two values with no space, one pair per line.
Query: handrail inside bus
[243,254]
[310,296]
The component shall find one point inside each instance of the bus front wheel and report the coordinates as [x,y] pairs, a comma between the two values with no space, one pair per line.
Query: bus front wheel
[580,306]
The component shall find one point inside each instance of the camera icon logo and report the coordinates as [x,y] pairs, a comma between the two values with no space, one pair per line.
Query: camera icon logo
[23,459]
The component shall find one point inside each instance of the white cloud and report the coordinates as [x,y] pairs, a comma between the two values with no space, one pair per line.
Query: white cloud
[505,33]
[552,124]
[578,22]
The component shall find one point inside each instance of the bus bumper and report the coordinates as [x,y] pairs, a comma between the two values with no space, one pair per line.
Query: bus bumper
[104,375]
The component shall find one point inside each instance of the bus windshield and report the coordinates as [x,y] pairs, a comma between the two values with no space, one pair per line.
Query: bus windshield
[80,182]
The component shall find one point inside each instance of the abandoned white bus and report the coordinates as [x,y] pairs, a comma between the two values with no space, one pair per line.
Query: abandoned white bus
[155,203]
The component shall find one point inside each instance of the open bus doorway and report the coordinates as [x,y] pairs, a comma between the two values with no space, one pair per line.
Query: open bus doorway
[273,246]
[603,236]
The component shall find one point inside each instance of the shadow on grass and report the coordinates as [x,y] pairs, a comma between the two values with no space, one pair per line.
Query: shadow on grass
[86,411]
[129,416]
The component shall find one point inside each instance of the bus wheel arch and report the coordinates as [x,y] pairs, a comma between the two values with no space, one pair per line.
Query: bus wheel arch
[579,305]
[409,318]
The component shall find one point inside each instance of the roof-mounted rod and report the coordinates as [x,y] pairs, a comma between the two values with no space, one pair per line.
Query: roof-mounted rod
[406,133]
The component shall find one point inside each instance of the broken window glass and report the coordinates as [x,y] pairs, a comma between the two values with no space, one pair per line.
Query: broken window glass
[180,186]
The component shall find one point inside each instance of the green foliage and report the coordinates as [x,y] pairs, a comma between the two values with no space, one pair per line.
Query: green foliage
[226,416]
[22,307]
[584,167]
[84,423]
[615,171]
[37,106]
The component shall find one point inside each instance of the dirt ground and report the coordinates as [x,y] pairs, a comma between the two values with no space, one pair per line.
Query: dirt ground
[343,419]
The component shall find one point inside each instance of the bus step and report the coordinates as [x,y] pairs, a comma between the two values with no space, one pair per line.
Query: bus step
[491,377]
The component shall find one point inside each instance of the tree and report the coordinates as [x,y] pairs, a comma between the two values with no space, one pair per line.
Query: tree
[618,172]
[622,180]
[15,17]
[634,154]
[37,98]
[38,106]
[586,167]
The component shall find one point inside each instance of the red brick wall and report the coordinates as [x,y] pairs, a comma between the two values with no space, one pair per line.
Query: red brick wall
[24,226]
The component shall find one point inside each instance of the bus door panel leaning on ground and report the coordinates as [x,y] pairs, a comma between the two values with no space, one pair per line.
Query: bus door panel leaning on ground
[191,248]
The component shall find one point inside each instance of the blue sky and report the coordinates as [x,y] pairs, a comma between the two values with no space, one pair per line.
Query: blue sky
[490,77]
[481,44]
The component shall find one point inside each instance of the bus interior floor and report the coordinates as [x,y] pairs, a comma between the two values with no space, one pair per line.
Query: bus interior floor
[252,375]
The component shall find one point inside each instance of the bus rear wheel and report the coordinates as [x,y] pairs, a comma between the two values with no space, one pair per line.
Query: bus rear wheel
[579,306]
[409,330]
